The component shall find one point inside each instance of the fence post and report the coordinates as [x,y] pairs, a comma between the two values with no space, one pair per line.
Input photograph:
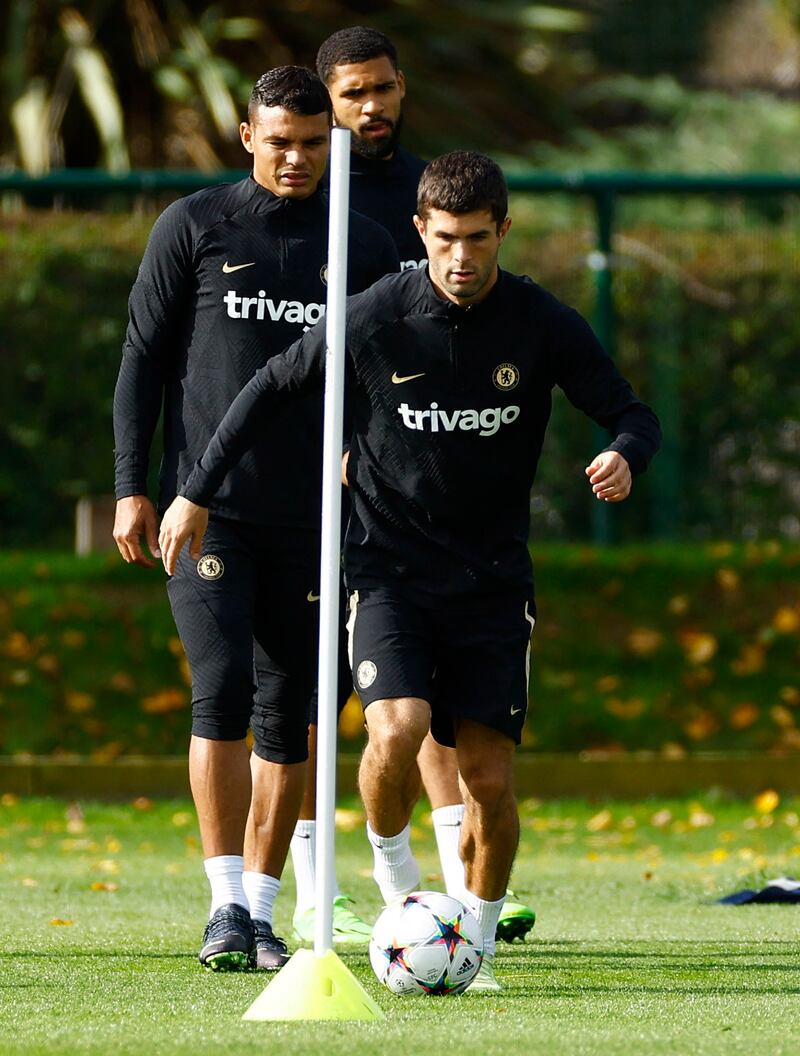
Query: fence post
[599,262]
[665,339]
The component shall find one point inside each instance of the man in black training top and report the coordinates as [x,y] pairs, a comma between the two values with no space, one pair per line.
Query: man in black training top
[230,277]
[451,371]
[360,68]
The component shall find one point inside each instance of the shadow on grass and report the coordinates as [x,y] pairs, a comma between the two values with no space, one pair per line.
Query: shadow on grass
[82,955]
[694,968]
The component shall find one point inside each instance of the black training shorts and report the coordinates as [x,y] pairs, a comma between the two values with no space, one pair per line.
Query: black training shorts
[468,659]
[248,615]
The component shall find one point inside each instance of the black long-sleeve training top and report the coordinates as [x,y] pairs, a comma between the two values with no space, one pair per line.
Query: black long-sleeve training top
[449,408]
[231,276]
[386,191]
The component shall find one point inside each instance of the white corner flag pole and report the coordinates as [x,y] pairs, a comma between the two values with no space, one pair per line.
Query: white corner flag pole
[330,560]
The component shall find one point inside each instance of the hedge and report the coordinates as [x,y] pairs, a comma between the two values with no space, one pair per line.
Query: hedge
[667,648]
[707,329]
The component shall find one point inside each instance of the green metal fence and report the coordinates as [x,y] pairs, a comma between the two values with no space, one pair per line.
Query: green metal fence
[607,195]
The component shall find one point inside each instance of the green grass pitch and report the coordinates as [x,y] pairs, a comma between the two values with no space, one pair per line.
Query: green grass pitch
[103,907]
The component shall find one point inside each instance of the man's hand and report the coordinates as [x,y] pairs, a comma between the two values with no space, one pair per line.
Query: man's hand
[135,515]
[345,460]
[610,477]
[182,519]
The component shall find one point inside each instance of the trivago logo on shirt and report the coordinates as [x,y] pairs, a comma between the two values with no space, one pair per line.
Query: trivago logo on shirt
[486,422]
[265,308]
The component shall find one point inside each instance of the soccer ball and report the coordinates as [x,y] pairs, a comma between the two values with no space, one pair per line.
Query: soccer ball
[427,944]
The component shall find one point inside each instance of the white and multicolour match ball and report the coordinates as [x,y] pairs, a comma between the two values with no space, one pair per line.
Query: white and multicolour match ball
[429,943]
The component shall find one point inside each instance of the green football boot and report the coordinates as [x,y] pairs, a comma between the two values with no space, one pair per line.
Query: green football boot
[515,920]
[348,928]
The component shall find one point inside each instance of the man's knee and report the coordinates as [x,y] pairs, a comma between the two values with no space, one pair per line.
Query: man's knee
[397,728]
[487,787]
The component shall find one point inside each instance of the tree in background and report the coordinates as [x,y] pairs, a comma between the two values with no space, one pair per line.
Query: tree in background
[164,83]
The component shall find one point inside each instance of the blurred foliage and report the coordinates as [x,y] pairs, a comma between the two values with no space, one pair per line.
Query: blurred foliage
[679,129]
[661,648]
[707,329]
[164,83]
[178,73]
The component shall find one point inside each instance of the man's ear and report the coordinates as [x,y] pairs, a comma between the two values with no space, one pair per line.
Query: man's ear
[419,223]
[246,133]
[504,228]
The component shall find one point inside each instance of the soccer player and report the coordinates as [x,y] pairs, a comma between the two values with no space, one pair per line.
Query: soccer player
[231,276]
[451,371]
[360,68]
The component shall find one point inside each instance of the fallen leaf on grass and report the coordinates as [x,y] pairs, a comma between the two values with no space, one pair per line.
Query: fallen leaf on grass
[182,818]
[103,885]
[78,703]
[626,709]
[678,605]
[19,647]
[644,641]
[767,801]
[701,726]
[142,803]
[600,821]
[698,646]
[786,620]
[58,922]
[166,700]
[9,800]
[122,682]
[699,818]
[743,716]
[727,579]
[107,753]
[750,660]
[73,639]
[781,716]
[607,684]
[49,665]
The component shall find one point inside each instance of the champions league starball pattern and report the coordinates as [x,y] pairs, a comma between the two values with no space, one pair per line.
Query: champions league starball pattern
[429,943]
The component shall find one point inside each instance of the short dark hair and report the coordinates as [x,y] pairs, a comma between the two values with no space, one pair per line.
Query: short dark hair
[356,44]
[291,87]
[463,182]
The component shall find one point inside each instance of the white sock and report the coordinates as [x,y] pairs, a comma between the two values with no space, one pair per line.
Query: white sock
[487,915]
[303,848]
[261,891]
[224,872]
[396,871]
[447,828]
[304,859]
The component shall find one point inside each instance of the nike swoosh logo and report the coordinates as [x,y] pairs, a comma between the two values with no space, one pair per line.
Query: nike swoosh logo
[228,268]
[397,380]
[311,596]
[516,711]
